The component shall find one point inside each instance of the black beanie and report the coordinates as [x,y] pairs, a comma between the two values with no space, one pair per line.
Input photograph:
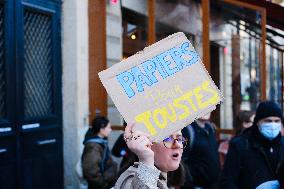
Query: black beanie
[267,109]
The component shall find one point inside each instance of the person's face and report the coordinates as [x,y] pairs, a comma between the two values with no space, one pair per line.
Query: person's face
[168,159]
[106,131]
[248,124]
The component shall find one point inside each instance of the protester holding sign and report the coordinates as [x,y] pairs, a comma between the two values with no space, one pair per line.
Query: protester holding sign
[165,86]
[156,160]
[162,89]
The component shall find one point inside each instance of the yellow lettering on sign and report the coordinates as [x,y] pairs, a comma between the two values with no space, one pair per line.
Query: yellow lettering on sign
[187,97]
[215,98]
[199,97]
[145,118]
[160,116]
[177,103]
[163,112]
[173,117]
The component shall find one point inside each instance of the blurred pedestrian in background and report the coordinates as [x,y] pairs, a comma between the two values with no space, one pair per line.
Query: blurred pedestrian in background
[244,120]
[156,162]
[253,156]
[201,157]
[98,167]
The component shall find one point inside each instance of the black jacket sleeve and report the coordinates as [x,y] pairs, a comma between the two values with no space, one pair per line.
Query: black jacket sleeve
[118,146]
[188,184]
[203,159]
[204,173]
[232,167]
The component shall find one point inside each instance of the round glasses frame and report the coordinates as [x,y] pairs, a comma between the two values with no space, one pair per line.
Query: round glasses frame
[182,145]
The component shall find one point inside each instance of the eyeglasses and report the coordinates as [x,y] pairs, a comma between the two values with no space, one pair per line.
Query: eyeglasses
[170,141]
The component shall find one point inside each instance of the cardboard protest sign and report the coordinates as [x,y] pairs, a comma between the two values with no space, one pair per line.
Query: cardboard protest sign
[163,88]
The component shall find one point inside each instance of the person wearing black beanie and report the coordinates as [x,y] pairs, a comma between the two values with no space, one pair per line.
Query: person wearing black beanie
[267,109]
[253,156]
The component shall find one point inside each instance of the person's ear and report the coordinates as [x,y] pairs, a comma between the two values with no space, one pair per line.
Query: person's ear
[101,130]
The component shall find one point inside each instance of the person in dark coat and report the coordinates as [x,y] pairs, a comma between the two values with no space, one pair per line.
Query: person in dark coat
[244,120]
[253,156]
[99,169]
[201,156]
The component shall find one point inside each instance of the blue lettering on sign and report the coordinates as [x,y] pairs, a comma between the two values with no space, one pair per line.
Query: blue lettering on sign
[150,68]
[126,79]
[140,79]
[164,65]
[160,67]
[176,55]
[164,58]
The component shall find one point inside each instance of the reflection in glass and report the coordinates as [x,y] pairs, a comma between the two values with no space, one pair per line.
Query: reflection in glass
[135,28]
[179,16]
[274,59]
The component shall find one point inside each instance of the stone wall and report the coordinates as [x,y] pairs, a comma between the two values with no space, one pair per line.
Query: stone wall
[75,84]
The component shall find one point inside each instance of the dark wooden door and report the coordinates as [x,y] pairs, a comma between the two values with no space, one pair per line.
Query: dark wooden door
[30,95]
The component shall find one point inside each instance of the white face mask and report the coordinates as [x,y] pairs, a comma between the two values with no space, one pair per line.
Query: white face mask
[270,130]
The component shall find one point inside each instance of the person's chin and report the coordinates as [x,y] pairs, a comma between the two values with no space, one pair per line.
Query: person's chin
[174,166]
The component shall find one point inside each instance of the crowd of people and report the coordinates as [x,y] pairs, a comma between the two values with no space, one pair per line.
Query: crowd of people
[191,158]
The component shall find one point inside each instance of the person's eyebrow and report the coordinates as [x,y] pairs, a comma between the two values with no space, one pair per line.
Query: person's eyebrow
[270,120]
[267,119]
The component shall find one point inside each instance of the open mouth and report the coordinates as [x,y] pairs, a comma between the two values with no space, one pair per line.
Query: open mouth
[175,155]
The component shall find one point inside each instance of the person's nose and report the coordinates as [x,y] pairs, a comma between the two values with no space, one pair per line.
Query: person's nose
[176,144]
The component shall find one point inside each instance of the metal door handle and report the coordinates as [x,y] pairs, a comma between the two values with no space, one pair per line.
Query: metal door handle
[3,150]
[30,126]
[46,142]
[5,129]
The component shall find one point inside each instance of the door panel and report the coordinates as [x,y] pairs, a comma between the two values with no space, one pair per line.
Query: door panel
[2,65]
[42,159]
[8,176]
[8,148]
[38,67]
[40,117]
[8,162]
[30,95]
[43,171]
[7,84]
[41,142]
[8,138]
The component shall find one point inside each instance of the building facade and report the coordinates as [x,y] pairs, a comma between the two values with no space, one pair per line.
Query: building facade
[52,50]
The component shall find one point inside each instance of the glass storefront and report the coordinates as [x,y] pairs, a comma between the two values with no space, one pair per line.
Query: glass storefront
[237,32]
[135,28]
[236,47]
[178,16]
[274,65]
